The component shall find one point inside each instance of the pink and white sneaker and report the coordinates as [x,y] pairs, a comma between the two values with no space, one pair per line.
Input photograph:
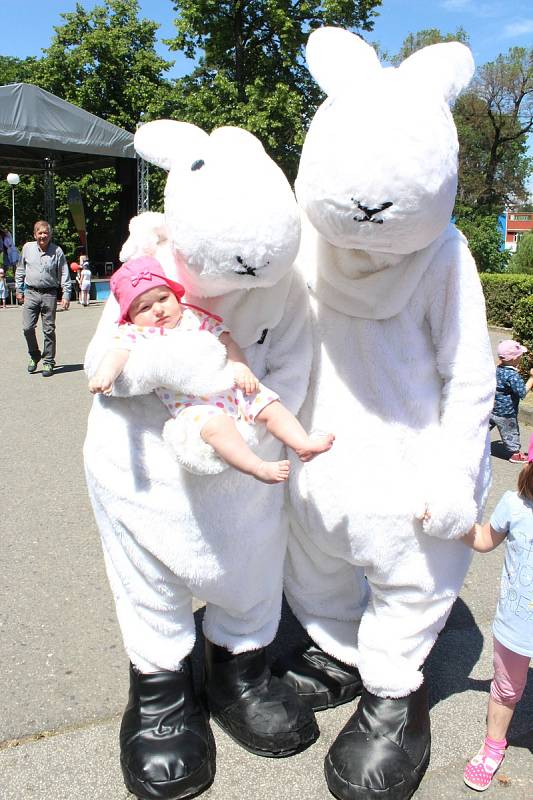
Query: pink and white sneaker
[481,769]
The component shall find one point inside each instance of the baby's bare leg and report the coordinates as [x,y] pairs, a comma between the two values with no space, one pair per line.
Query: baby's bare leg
[285,427]
[221,433]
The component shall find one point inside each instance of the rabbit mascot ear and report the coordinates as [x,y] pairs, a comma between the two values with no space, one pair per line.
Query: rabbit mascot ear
[167,141]
[384,141]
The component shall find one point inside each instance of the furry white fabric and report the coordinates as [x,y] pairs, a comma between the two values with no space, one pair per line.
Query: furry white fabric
[403,371]
[168,534]
[183,437]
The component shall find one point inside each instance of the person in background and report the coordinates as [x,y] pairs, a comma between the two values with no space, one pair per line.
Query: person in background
[512,629]
[84,276]
[3,288]
[510,389]
[43,268]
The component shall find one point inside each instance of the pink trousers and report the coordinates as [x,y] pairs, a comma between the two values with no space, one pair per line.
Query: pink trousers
[510,675]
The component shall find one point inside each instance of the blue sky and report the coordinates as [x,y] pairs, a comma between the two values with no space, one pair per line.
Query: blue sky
[493,25]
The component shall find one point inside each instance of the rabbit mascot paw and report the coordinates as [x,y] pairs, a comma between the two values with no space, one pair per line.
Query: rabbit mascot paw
[402,359]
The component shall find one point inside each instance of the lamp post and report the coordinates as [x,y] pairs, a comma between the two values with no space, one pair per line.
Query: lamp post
[13,179]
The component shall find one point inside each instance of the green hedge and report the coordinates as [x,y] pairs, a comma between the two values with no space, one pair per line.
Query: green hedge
[509,301]
[523,330]
[502,294]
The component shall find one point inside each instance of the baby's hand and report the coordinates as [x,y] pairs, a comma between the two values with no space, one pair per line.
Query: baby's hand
[245,378]
[101,383]
[108,371]
[423,514]
[103,380]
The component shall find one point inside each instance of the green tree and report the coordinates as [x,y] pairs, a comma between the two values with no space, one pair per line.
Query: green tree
[16,70]
[251,71]
[522,261]
[423,38]
[493,120]
[485,239]
[104,60]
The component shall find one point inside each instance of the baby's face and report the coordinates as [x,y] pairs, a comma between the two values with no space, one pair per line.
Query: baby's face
[157,308]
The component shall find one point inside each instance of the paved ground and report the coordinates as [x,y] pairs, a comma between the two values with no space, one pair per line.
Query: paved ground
[64,673]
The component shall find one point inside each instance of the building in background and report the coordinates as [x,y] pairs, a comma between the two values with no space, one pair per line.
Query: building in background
[514,224]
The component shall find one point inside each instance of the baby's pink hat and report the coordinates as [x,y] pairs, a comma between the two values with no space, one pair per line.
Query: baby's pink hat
[530,449]
[137,276]
[509,349]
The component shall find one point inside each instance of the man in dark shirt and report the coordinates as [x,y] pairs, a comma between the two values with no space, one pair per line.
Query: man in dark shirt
[510,389]
[43,267]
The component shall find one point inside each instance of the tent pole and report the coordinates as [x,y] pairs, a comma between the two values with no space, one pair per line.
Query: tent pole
[143,187]
[49,192]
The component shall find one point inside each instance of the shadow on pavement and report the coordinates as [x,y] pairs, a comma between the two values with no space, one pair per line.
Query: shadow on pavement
[68,368]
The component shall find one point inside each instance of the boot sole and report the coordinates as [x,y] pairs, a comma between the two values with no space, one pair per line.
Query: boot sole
[311,728]
[352,792]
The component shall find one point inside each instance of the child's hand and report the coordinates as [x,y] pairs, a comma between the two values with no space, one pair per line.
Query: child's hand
[108,371]
[102,382]
[245,378]
[423,514]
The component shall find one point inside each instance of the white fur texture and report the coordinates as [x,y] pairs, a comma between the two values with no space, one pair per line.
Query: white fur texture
[382,136]
[167,534]
[402,372]
[229,210]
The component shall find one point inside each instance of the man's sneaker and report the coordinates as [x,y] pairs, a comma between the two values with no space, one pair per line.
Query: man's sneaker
[48,370]
[32,365]
[518,458]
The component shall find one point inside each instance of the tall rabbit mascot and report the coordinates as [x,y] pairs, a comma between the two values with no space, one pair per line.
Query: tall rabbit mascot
[229,235]
[402,360]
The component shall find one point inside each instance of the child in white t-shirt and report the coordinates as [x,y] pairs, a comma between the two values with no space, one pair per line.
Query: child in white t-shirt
[512,523]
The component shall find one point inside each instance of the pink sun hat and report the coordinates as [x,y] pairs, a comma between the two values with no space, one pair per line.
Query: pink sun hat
[509,349]
[137,276]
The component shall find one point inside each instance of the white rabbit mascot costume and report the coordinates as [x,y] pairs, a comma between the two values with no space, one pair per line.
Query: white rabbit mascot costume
[230,234]
[403,374]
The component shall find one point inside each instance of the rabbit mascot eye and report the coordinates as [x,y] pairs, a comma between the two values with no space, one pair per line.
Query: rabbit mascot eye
[403,362]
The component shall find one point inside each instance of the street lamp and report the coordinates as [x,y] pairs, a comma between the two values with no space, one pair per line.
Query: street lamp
[13,179]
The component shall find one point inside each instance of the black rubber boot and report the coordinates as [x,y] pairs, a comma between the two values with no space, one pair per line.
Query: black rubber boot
[167,749]
[260,712]
[383,750]
[320,680]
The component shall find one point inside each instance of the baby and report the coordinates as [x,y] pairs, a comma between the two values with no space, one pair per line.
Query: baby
[150,306]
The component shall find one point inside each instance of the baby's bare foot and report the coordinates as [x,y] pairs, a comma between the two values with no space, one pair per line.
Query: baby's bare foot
[272,471]
[315,446]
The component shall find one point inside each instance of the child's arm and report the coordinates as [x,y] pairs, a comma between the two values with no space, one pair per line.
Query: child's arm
[483,538]
[244,377]
[107,372]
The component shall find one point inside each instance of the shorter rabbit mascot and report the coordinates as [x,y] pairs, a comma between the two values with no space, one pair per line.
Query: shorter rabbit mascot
[229,235]
[402,360]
